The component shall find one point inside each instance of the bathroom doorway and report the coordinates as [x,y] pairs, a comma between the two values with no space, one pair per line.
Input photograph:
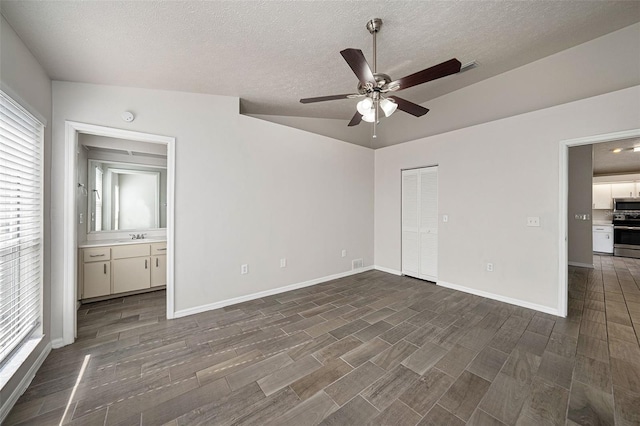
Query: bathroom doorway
[73,132]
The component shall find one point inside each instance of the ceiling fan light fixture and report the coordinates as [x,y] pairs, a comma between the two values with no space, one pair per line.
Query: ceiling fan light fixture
[364,106]
[388,107]
[370,116]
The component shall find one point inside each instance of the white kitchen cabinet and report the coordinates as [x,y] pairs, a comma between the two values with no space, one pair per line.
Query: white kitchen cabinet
[97,279]
[623,190]
[602,196]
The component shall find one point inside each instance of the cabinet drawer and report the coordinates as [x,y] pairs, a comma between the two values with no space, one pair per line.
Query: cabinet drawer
[133,250]
[97,254]
[158,248]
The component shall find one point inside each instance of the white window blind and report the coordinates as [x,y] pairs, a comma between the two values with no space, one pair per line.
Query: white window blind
[21,137]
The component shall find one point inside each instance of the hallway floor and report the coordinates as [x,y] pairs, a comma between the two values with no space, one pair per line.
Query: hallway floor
[372,348]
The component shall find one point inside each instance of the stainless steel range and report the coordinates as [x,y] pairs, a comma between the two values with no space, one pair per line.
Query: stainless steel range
[626,227]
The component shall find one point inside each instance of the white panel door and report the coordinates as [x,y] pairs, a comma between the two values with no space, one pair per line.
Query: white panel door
[420,223]
[410,252]
[428,207]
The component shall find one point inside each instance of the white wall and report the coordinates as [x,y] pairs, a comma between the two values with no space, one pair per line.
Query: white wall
[491,178]
[247,191]
[24,79]
[580,244]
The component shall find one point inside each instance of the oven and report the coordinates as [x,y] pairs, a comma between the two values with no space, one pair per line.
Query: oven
[626,234]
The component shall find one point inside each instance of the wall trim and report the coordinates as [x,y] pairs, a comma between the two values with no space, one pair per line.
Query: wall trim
[253,296]
[581,265]
[57,343]
[387,270]
[499,298]
[24,383]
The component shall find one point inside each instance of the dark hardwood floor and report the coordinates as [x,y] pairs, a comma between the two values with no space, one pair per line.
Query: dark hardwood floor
[369,349]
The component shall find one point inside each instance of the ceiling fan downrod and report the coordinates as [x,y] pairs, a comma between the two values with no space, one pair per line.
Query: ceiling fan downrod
[374,26]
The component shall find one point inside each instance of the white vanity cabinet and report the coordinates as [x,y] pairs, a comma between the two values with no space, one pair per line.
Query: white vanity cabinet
[122,268]
[96,272]
[158,264]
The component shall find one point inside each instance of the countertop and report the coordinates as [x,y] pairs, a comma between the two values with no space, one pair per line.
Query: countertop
[120,242]
[601,223]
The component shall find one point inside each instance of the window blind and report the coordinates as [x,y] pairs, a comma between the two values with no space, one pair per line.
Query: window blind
[21,137]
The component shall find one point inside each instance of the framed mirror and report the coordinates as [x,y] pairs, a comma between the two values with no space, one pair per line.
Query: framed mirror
[125,196]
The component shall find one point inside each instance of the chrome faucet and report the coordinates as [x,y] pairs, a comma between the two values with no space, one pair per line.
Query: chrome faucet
[138,236]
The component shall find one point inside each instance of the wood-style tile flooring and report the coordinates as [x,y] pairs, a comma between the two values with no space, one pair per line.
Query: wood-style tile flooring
[372,349]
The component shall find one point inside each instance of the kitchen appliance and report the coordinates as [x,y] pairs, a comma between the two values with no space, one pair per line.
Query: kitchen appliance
[623,205]
[626,232]
[603,238]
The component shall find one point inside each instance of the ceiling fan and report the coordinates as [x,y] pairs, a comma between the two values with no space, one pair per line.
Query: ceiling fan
[374,86]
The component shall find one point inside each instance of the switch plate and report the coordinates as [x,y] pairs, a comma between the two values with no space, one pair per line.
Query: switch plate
[489,267]
[533,221]
[344,253]
[445,218]
[244,269]
[283,262]
[81,218]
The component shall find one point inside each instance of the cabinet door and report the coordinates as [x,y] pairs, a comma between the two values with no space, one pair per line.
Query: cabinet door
[96,279]
[602,196]
[623,189]
[131,274]
[158,270]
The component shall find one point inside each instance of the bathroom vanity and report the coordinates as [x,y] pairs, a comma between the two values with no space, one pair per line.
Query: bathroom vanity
[110,268]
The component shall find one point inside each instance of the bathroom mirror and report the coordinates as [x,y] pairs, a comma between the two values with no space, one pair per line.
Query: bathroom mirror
[125,196]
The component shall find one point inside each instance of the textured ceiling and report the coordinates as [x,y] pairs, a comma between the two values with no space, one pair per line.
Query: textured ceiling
[272,53]
[606,162]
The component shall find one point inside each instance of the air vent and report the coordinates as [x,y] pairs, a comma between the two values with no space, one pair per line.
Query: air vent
[356,264]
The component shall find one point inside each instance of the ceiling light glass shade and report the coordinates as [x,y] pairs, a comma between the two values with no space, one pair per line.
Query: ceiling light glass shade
[364,106]
[389,107]
[370,116]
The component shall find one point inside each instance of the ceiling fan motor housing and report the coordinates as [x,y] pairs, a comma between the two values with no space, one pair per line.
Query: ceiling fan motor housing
[382,80]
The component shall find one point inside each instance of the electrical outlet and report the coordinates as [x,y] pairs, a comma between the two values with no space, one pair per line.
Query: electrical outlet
[283,262]
[81,218]
[445,218]
[489,267]
[244,269]
[533,221]
[344,253]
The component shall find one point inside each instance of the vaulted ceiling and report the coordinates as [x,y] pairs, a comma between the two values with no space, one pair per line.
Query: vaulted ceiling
[272,53]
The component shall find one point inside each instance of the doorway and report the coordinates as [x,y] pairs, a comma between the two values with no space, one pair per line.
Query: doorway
[563,279]
[70,289]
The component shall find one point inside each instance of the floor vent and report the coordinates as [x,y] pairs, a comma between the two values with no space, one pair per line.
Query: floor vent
[356,264]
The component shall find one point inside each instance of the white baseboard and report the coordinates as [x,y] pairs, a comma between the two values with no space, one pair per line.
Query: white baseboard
[581,265]
[57,343]
[387,270]
[240,299]
[8,404]
[505,299]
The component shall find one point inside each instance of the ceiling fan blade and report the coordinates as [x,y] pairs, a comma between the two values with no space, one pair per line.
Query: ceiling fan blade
[327,98]
[444,69]
[409,107]
[357,62]
[355,120]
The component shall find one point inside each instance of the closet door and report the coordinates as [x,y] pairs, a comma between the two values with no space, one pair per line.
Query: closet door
[428,206]
[420,223]
[410,253]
